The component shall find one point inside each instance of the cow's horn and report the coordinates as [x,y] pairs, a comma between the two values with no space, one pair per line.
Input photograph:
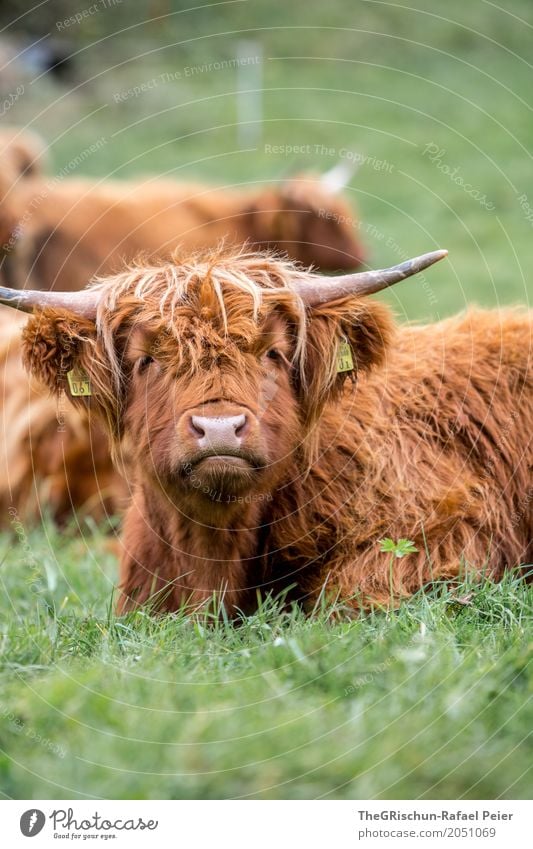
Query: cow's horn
[314,291]
[338,177]
[82,303]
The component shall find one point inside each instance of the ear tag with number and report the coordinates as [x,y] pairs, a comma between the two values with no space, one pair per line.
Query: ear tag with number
[79,383]
[344,356]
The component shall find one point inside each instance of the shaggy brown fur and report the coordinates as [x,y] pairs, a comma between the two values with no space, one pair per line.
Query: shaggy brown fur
[51,460]
[430,440]
[73,229]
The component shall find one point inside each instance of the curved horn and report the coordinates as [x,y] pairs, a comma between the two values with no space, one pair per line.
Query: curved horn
[339,176]
[315,291]
[82,303]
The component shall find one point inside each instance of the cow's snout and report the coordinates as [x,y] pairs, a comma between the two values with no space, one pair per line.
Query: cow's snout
[219,432]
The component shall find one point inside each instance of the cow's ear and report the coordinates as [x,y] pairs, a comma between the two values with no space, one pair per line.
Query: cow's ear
[344,339]
[56,343]
[63,351]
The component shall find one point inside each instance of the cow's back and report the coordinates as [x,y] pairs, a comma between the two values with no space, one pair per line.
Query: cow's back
[77,228]
[435,445]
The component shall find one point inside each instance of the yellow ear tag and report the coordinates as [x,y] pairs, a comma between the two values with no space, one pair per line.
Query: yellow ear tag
[344,356]
[79,382]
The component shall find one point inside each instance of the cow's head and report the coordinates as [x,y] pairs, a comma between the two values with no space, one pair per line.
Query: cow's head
[306,217]
[22,156]
[210,374]
[22,152]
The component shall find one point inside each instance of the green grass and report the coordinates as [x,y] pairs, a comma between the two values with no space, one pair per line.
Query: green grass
[433,701]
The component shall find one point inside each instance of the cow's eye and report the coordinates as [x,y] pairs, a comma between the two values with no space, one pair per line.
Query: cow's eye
[144,362]
[274,354]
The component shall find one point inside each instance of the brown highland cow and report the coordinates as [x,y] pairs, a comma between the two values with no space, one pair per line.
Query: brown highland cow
[22,157]
[52,457]
[275,426]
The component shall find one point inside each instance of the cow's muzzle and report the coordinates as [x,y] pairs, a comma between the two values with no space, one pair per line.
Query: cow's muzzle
[218,428]
[221,438]
[218,432]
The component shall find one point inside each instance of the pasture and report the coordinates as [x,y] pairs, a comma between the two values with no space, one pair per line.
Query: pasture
[431,701]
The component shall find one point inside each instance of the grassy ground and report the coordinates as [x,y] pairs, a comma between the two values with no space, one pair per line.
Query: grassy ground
[433,701]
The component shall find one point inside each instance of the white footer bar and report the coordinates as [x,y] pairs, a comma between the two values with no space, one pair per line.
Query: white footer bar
[268,824]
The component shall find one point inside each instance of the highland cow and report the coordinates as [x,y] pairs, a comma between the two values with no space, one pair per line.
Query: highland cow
[275,426]
[23,153]
[53,460]
[62,232]
[22,156]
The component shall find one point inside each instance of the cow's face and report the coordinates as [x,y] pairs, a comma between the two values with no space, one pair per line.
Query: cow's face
[329,227]
[211,383]
[209,415]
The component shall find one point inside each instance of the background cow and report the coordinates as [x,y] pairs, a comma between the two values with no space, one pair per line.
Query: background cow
[53,459]
[22,153]
[64,231]
[22,156]
[222,383]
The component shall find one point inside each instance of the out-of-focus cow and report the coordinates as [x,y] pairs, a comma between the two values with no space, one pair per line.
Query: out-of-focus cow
[23,153]
[65,231]
[53,461]
[22,156]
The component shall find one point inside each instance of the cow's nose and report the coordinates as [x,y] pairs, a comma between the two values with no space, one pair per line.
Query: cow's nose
[219,431]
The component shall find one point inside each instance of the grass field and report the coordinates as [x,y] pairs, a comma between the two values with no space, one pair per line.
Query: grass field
[433,701]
